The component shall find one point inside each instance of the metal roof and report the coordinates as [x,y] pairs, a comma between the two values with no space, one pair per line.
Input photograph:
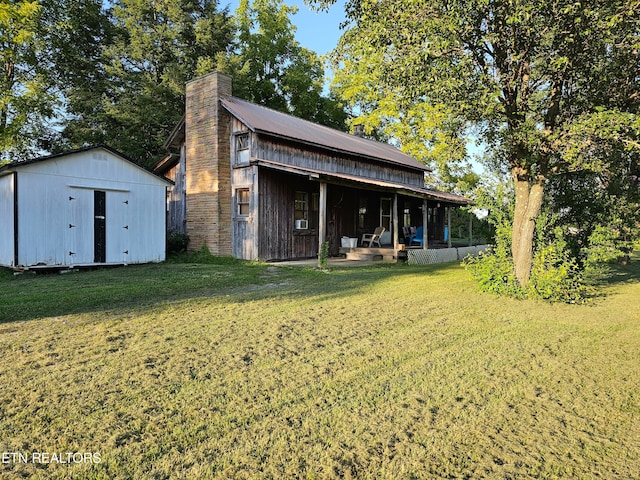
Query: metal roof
[407,189]
[271,122]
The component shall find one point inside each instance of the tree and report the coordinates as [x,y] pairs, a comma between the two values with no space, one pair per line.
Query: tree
[271,68]
[27,94]
[135,94]
[530,77]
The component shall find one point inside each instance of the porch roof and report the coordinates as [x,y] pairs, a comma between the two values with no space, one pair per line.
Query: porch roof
[398,187]
[272,122]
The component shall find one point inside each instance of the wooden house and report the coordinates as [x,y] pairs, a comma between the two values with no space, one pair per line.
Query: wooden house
[256,183]
[87,207]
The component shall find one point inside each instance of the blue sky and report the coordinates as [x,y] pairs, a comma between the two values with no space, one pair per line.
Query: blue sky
[317,31]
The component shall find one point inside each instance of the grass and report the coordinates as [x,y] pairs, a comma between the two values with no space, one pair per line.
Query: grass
[249,371]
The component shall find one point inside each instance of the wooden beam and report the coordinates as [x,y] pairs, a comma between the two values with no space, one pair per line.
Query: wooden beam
[394,219]
[425,221]
[449,227]
[322,221]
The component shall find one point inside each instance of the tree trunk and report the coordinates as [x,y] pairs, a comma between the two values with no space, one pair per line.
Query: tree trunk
[527,208]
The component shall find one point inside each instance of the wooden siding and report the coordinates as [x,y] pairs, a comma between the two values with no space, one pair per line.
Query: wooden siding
[279,240]
[245,231]
[176,196]
[290,154]
[56,211]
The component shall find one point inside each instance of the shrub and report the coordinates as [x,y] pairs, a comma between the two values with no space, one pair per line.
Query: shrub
[176,241]
[555,275]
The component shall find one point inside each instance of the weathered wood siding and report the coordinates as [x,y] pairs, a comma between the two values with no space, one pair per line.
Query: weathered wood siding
[279,240]
[7,220]
[291,154]
[176,196]
[245,228]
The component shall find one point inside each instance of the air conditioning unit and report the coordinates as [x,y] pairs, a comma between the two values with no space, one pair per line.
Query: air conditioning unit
[302,224]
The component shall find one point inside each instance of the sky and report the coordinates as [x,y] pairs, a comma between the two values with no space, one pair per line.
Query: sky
[317,31]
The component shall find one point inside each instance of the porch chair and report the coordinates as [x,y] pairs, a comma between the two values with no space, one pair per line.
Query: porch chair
[416,237]
[406,235]
[373,238]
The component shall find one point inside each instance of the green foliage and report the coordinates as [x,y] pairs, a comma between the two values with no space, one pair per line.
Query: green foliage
[549,87]
[27,86]
[204,257]
[137,96]
[556,275]
[323,256]
[493,270]
[177,241]
[271,68]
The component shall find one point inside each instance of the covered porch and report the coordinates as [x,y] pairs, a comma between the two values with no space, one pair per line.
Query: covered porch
[341,209]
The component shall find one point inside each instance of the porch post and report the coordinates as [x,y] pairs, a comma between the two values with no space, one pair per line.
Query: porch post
[470,229]
[425,221]
[449,226]
[395,222]
[322,221]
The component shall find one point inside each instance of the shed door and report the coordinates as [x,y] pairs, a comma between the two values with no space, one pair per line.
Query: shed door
[99,227]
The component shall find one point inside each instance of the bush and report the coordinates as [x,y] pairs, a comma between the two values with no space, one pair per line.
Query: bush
[555,275]
[204,256]
[177,242]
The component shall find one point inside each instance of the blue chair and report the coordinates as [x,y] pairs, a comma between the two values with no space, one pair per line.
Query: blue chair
[416,237]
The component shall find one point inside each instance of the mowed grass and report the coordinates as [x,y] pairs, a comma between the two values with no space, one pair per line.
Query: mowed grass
[252,371]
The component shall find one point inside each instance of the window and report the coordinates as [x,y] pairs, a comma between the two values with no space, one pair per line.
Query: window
[407,214]
[243,202]
[242,148]
[301,207]
[314,210]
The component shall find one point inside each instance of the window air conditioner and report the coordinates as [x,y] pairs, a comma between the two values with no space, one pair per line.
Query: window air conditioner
[302,224]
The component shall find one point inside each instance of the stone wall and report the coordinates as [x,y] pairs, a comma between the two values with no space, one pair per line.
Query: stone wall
[208,168]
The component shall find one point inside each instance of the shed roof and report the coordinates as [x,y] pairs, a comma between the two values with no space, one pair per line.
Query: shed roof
[272,122]
[16,165]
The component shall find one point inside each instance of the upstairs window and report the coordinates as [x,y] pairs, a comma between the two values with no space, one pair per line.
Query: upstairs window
[242,149]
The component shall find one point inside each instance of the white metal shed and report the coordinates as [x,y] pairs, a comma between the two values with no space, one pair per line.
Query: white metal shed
[92,206]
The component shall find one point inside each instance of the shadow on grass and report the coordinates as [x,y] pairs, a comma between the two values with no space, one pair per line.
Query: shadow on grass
[29,296]
[618,273]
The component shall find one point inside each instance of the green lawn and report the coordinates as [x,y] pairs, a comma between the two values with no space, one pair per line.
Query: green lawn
[251,371]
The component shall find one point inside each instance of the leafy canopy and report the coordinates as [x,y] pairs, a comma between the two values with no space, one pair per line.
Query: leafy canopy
[551,87]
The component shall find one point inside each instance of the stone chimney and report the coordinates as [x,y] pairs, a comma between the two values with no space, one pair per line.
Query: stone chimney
[208,167]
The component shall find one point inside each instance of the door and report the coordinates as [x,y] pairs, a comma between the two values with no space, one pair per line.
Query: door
[386,219]
[99,227]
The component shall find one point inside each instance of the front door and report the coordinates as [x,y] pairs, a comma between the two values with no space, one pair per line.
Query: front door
[99,227]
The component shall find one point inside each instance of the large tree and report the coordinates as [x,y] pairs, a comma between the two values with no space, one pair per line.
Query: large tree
[27,89]
[530,77]
[131,93]
[271,68]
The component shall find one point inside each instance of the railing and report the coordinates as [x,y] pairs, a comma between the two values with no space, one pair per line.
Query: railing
[442,255]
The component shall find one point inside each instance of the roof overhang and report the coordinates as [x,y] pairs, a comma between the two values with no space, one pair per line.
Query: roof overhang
[333,177]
